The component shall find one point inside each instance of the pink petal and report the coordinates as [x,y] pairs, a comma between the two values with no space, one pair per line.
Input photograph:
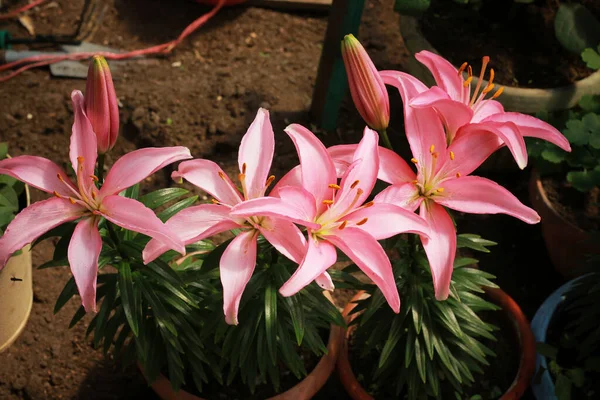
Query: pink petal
[292,178]
[237,265]
[533,127]
[440,247]
[471,148]
[454,114]
[324,280]
[320,255]
[83,253]
[369,256]
[508,132]
[83,138]
[445,75]
[192,225]
[423,126]
[136,166]
[38,172]
[392,168]
[295,205]
[475,195]
[405,195]
[285,237]
[209,177]
[387,220]
[318,171]
[256,152]
[33,222]
[485,108]
[134,216]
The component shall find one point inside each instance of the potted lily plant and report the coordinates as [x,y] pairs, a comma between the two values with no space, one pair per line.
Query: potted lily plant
[438,341]
[564,187]
[542,73]
[16,293]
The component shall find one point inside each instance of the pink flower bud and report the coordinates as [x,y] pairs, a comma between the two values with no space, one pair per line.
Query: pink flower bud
[366,86]
[101,104]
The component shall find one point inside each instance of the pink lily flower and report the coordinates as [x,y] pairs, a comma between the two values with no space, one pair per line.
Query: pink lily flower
[101,104]
[336,215]
[442,180]
[462,112]
[82,200]
[199,222]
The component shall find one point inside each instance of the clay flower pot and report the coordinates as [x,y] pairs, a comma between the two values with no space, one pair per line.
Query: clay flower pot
[567,244]
[527,100]
[544,389]
[16,294]
[511,310]
[304,390]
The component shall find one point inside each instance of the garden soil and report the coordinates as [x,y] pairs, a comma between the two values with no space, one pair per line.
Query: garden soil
[203,96]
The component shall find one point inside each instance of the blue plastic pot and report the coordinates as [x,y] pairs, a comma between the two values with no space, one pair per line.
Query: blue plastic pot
[544,389]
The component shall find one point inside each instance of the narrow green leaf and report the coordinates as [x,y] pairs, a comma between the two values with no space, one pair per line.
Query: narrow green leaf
[420,358]
[167,213]
[270,321]
[65,295]
[128,298]
[162,196]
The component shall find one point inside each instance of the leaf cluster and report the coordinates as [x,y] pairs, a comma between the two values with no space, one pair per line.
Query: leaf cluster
[11,192]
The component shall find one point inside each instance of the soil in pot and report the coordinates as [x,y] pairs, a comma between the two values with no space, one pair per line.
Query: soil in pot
[495,380]
[568,354]
[582,209]
[519,38]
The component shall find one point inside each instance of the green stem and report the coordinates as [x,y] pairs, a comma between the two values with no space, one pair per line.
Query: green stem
[100,167]
[386,139]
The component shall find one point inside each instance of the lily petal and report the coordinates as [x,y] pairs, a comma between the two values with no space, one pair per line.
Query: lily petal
[445,74]
[318,171]
[320,255]
[485,108]
[83,253]
[423,126]
[237,265]
[476,195]
[386,220]
[392,168]
[83,139]
[38,172]
[208,176]
[369,256]
[295,205]
[471,147]
[33,222]
[405,195]
[454,114]
[134,216]
[256,153]
[292,178]
[440,247]
[508,132]
[136,166]
[192,225]
[364,175]
[324,280]
[533,127]
[285,237]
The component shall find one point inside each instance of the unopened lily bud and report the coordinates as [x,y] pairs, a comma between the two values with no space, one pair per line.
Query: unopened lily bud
[366,86]
[101,104]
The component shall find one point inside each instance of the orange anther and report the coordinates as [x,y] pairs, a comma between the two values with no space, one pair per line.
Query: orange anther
[356,182]
[431,149]
[343,225]
[243,168]
[468,81]
[270,180]
[72,200]
[414,160]
[498,92]
[362,221]
[222,175]
[452,155]
[334,186]
[369,204]
[57,195]
[94,178]
[440,190]
[214,201]
[458,174]
[328,202]
[462,67]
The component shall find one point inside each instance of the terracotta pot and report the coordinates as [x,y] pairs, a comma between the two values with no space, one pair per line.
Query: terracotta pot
[511,310]
[567,244]
[526,100]
[304,390]
[544,389]
[16,294]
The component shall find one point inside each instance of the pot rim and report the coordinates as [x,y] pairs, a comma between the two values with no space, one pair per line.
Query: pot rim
[544,389]
[509,307]
[415,41]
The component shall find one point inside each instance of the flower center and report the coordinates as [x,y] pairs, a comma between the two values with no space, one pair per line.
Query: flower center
[338,208]
[476,98]
[86,193]
[428,185]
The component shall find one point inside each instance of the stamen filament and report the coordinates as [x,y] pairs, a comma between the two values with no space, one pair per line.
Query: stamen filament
[484,64]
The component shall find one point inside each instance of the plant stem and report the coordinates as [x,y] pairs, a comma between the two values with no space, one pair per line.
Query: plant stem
[386,139]
[100,167]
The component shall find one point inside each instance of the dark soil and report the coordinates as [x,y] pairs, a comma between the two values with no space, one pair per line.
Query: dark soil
[519,38]
[580,209]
